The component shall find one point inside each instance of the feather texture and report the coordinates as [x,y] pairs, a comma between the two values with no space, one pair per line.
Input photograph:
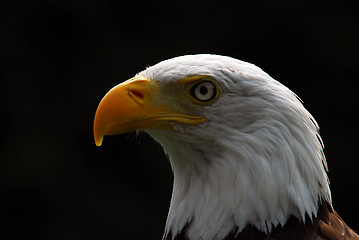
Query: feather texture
[326,226]
[255,169]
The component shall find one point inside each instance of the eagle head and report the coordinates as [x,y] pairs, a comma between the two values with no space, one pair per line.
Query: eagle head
[243,149]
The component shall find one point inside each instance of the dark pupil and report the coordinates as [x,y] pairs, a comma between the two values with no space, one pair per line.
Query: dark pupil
[203,90]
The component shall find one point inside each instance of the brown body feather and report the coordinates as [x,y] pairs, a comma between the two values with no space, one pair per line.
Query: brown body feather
[326,226]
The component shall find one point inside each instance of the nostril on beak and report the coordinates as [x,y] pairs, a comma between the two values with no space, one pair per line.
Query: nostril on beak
[136,96]
[134,93]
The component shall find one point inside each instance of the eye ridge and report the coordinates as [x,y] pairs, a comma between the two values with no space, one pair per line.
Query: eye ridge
[201,90]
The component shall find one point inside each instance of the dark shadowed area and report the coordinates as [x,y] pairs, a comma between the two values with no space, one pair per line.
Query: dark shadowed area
[59,58]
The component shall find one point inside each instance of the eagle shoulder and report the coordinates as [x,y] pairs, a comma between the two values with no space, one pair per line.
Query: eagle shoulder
[327,225]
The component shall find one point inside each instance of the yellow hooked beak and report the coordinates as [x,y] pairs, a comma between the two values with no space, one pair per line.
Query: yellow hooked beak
[131,106]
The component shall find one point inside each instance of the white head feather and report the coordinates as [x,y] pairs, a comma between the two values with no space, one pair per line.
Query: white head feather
[257,159]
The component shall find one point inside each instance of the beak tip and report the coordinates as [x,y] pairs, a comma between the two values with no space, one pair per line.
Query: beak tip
[98,136]
[98,141]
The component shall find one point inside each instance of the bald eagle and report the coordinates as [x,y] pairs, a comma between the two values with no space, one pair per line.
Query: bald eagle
[246,155]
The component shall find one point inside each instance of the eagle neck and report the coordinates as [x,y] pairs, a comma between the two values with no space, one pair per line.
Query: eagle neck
[241,180]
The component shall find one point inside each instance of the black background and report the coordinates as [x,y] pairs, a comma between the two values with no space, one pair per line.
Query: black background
[58,59]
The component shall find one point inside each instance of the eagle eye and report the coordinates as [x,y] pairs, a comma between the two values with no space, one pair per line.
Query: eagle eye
[204,91]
